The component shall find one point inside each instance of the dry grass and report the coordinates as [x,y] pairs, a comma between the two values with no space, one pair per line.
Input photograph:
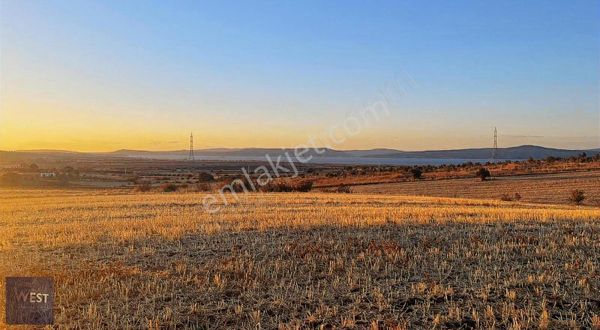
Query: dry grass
[565,167]
[549,188]
[304,260]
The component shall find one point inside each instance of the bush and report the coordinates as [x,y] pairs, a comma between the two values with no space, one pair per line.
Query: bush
[483,173]
[233,183]
[277,187]
[517,197]
[304,186]
[143,187]
[416,172]
[205,177]
[344,189]
[168,187]
[577,196]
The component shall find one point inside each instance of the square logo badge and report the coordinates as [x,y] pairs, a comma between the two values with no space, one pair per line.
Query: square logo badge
[29,300]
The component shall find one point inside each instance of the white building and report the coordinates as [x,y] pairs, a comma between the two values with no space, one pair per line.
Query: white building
[47,175]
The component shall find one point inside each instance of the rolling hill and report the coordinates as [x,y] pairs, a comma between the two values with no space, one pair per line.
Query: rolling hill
[514,153]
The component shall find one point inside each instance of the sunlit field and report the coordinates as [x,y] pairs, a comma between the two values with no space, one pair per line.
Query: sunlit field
[304,260]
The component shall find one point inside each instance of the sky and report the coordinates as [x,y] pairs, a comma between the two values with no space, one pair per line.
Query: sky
[108,75]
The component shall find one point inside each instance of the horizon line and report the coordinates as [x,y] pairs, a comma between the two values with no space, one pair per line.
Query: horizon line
[292,148]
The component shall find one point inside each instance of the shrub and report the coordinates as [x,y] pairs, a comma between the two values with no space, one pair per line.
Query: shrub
[205,177]
[281,186]
[168,187]
[143,187]
[304,186]
[577,196]
[235,183]
[416,172]
[483,173]
[517,197]
[276,187]
[344,189]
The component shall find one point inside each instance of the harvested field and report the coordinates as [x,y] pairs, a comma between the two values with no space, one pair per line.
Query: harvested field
[548,188]
[294,260]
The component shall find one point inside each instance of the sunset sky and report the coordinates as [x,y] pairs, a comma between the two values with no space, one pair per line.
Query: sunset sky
[106,75]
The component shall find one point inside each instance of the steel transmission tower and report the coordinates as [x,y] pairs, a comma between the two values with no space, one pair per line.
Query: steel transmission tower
[495,149]
[191,154]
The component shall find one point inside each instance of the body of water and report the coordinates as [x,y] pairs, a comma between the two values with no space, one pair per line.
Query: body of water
[348,160]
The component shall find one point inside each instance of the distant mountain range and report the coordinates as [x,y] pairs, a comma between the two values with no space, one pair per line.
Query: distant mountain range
[520,152]
[256,152]
[514,153]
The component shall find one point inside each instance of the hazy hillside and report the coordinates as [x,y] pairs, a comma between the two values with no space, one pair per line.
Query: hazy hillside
[520,152]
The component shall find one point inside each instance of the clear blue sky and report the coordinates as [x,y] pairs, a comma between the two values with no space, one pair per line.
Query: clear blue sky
[102,75]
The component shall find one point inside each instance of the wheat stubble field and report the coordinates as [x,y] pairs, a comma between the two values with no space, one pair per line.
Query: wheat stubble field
[304,260]
[537,188]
